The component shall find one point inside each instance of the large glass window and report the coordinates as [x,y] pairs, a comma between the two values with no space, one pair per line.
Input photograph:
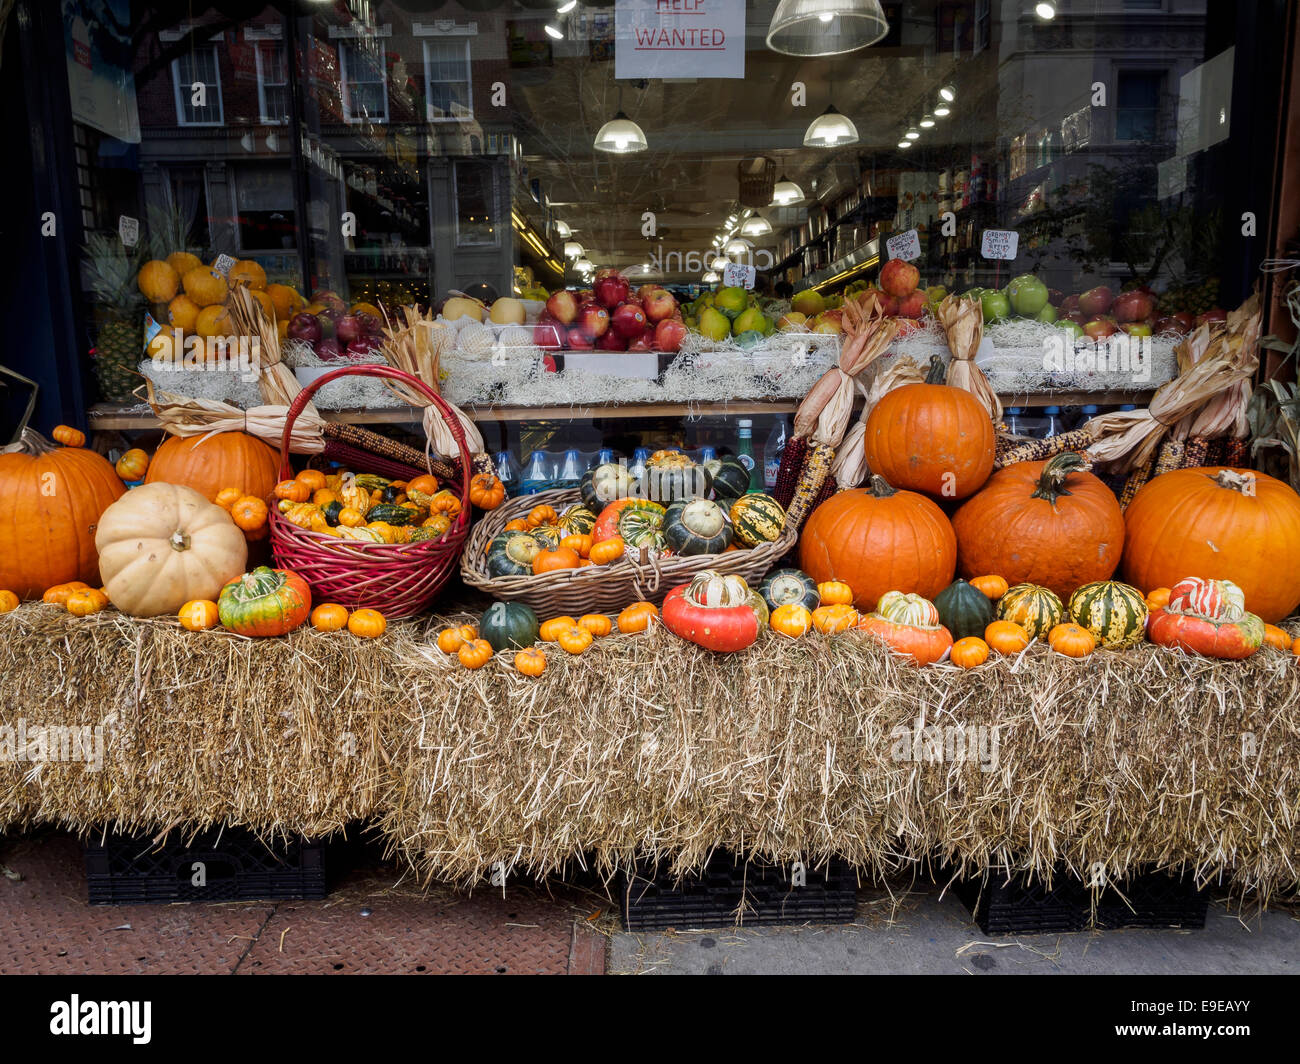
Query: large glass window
[364,82]
[447,80]
[198,88]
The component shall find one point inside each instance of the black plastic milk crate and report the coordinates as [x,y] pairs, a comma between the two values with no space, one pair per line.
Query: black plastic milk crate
[730,892]
[219,864]
[1018,907]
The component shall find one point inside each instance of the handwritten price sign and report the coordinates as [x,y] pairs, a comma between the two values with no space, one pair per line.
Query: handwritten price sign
[905,246]
[737,274]
[999,244]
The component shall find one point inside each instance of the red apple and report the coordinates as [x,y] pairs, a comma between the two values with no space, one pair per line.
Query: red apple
[1215,314]
[1096,301]
[329,299]
[611,341]
[899,279]
[364,345]
[1132,306]
[643,342]
[611,289]
[347,329]
[628,321]
[1076,316]
[578,339]
[563,307]
[1099,329]
[593,320]
[305,327]
[328,350]
[889,304]
[669,334]
[1185,318]
[913,306]
[1055,296]
[1067,304]
[548,333]
[660,305]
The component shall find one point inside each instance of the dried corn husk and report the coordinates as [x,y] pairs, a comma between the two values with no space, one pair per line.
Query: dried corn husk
[415,344]
[963,324]
[850,465]
[824,413]
[275,380]
[1225,414]
[205,417]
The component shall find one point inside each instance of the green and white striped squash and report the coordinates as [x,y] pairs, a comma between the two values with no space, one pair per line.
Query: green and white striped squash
[1115,613]
[757,518]
[913,611]
[641,526]
[1036,609]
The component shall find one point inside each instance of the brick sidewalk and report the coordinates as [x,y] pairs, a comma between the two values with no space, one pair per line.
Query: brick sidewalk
[47,927]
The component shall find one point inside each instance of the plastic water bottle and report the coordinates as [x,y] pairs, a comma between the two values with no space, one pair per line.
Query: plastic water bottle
[707,454]
[1014,427]
[603,457]
[571,469]
[537,477]
[1054,426]
[1086,414]
[507,471]
[772,451]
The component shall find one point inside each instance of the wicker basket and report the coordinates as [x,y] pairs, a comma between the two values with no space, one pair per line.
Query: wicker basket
[400,580]
[600,588]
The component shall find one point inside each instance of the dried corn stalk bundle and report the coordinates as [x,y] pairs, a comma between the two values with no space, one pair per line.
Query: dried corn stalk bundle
[203,417]
[275,380]
[1018,450]
[415,344]
[823,415]
[1224,416]
[850,465]
[963,324]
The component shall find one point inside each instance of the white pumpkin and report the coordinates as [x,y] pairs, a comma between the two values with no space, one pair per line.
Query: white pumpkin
[161,545]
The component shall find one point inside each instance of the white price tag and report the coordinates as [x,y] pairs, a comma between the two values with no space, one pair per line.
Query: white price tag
[905,246]
[128,230]
[738,274]
[223,264]
[999,244]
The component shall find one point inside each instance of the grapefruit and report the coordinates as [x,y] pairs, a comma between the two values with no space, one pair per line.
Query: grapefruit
[158,281]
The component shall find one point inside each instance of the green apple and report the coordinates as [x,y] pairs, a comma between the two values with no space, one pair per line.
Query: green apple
[1071,328]
[714,325]
[996,306]
[1028,295]
[731,301]
[1047,314]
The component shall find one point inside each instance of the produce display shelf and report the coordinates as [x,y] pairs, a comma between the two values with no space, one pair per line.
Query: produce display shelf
[118,416]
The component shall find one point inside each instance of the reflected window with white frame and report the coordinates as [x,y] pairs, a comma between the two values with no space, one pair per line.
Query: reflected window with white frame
[448,90]
[363,80]
[199,67]
[272,83]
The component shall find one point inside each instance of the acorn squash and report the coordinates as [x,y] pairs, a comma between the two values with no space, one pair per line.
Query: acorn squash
[964,610]
[786,587]
[728,476]
[696,527]
[509,624]
[512,554]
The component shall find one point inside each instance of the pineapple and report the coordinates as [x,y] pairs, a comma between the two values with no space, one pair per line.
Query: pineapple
[110,271]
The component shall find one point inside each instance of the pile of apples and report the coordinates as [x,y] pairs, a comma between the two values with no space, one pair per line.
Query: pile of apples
[611,317]
[336,331]
[1100,313]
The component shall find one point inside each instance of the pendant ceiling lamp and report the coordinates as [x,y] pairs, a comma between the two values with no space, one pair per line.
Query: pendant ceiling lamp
[756,226]
[562,230]
[826,27]
[620,135]
[830,129]
[710,278]
[786,193]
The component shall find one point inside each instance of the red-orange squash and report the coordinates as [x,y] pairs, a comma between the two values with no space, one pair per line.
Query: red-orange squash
[931,437]
[1219,524]
[51,499]
[876,539]
[1050,523]
[209,464]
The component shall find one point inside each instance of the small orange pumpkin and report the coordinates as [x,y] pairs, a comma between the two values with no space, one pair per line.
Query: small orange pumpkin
[68,436]
[598,624]
[486,491]
[476,654]
[637,617]
[1006,637]
[85,601]
[517,525]
[531,661]
[550,561]
[293,490]
[452,639]
[579,542]
[8,601]
[249,513]
[549,631]
[322,497]
[542,515]
[792,619]
[367,624]
[992,587]
[350,518]
[198,615]
[1072,640]
[329,617]
[227,497]
[574,639]
[835,593]
[133,465]
[313,478]
[969,652]
[839,617]
[1158,598]
[1276,637]
[59,593]
[607,550]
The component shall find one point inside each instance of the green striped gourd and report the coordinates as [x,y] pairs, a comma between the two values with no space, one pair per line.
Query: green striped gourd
[1036,609]
[1115,613]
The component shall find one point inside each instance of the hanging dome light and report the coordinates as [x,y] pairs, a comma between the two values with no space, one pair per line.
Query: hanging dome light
[830,129]
[942,110]
[913,133]
[738,247]
[710,278]
[584,264]
[927,121]
[562,230]
[621,136]
[572,250]
[1045,11]
[825,27]
[553,33]
[721,262]
[786,193]
[756,226]
[904,143]
[948,93]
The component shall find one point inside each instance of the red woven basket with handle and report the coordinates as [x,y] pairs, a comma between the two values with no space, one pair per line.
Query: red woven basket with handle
[399,580]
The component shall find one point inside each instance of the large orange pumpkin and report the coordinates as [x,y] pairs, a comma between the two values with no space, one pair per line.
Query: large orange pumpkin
[1217,524]
[51,499]
[932,438]
[1047,523]
[224,460]
[877,539]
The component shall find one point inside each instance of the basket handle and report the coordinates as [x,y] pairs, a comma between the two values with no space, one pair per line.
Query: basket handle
[301,400]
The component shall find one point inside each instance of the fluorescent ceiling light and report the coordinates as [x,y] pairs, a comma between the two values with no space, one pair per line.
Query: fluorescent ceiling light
[551,31]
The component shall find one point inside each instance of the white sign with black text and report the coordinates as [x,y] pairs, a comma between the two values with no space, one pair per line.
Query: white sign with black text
[905,246]
[679,39]
[1000,244]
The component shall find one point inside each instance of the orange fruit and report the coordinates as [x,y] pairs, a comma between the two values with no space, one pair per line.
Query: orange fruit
[286,301]
[162,348]
[182,262]
[206,287]
[367,308]
[248,272]
[182,312]
[158,281]
[213,321]
[282,328]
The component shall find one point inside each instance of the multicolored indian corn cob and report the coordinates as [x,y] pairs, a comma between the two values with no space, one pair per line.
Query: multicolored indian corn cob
[1041,450]
[1236,452]
[816,471]
[1196,452]
[1169,457]
[1135,480]
[1216,452]
[787,477]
